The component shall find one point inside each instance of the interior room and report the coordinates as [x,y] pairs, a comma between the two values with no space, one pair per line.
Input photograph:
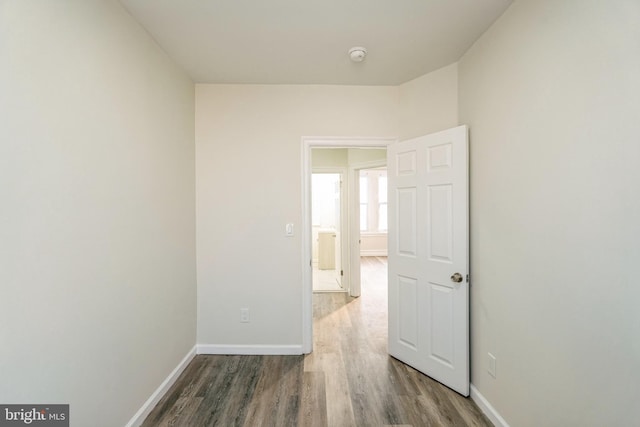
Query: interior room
[326,218]
[153,160]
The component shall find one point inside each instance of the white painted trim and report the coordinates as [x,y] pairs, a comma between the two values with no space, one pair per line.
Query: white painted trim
[329,169]
[371,164]
[307,266]
[373,252]
[284,350]
[354,232]
[155,397]
[487,408]
[348,142]
[307,292]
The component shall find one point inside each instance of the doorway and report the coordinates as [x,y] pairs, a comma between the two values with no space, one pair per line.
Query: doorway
[357,159]
[371,215]
[428,263]
[326,229]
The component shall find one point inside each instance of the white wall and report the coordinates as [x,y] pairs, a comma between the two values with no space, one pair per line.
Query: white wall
[358,156]
[329,157]
[249,159]
[373,244]
[97,260]
[429,103]
[551,94]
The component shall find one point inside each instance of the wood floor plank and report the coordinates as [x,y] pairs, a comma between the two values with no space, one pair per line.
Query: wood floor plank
[313,362]
[166,407]
[348,380]
[468,410]
[182,414]
[421,411]
[313,405]
[338,394]
[434,397]
[277,392]
[225,393]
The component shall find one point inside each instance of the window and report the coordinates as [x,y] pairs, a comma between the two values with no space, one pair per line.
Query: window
[373,200]
[382,203]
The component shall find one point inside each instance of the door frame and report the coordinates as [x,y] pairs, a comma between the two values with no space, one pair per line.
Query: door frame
[309,142]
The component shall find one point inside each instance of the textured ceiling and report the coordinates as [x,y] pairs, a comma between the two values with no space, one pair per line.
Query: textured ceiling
[307,41]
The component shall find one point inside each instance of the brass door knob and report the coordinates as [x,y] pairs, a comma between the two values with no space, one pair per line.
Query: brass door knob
[457,278]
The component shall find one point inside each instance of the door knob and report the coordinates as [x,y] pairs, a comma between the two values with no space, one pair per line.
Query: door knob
[457,278]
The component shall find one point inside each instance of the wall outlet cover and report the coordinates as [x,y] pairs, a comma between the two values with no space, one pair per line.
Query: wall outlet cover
[492,365]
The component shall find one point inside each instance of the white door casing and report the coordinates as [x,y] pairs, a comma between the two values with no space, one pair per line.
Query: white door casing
[428,244]
[338,208]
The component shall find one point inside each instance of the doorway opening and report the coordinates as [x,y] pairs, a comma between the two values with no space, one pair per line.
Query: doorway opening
[352,155]
[428,297]
[326,229]
[373,212]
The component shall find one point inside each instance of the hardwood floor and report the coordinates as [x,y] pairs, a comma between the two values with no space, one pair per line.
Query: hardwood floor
[348,380]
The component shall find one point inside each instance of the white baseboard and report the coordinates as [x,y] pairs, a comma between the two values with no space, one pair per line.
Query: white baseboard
[250,349]
[487,409]
[155,397]
[373,252]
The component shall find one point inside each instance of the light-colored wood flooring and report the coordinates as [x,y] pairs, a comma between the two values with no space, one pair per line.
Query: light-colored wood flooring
[326,280]
[348,380]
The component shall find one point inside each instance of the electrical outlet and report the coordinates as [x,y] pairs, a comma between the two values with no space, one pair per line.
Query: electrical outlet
[244,315]
[492,365]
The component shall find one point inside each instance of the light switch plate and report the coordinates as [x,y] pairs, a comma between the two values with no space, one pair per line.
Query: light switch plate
[288,230]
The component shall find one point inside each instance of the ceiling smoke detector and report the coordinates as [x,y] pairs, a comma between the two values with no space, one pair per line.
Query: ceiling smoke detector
[357,54]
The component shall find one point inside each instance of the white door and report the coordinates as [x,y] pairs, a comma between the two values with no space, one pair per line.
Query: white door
[429,255]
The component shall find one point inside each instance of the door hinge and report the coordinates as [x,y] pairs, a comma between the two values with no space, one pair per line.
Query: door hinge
[342,272]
